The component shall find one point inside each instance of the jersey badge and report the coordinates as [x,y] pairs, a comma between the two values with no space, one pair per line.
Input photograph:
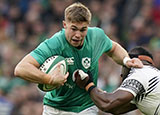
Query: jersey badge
[86,62]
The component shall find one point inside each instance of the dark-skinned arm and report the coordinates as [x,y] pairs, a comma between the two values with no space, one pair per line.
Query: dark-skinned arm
[124,108]
[116,102]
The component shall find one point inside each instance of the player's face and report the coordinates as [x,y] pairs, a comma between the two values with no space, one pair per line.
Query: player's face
[75,32]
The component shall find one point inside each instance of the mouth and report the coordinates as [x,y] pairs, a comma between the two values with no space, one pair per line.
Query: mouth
[76,40]
[76,43]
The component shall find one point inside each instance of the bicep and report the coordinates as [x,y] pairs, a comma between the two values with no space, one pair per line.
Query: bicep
[114,45]
[30,60]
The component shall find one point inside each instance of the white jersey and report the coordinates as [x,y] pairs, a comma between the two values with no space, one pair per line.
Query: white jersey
[144,84]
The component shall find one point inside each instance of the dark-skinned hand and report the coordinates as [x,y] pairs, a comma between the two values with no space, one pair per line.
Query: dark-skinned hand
[83,79]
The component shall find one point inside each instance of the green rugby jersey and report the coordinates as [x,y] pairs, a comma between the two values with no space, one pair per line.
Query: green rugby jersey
[70,97]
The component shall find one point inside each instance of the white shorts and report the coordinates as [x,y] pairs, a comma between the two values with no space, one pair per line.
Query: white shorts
[48,110]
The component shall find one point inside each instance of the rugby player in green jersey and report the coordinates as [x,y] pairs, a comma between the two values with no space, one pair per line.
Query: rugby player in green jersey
[82,46]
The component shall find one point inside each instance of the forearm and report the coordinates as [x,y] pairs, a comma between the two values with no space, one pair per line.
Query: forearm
[97,97]
[124,109]
[101,99]
[29,71]
[104,101]
[117,53]
[111,102]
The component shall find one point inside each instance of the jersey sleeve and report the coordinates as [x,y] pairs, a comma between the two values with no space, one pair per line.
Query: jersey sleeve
[46,49]
[50,47]
[100,42]
[135,83]
[41,53]
[105,42]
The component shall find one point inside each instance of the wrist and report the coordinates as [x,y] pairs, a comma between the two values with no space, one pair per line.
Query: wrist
[47,79]
[90,87]
[125,59]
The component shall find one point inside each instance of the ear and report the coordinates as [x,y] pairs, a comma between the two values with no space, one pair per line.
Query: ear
[64,24]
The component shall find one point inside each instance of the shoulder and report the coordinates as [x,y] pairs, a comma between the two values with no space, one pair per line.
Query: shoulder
[95,29]
[135,83]
[146,70]
[99,39]
[58,36]
[141,75]
[57,40]
[139,80]
[136,74]
[97,33]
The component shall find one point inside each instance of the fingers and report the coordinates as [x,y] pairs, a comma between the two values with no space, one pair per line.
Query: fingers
[134,62]
[58,68]
[65,77]
[137,63]
[57,77]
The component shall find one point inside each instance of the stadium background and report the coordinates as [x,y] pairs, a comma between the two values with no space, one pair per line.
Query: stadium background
[26,23]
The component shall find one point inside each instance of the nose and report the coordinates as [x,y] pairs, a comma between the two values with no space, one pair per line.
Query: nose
[77,34]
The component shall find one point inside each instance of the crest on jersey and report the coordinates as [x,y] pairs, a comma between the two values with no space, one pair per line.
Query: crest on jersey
[86,62]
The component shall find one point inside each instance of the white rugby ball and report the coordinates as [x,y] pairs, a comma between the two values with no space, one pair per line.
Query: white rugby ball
[49,66]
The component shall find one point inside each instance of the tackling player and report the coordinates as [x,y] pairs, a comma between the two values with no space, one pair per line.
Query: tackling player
[140,88]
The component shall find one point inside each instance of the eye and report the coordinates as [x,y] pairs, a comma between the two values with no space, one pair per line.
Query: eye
[82,30]
[73,29]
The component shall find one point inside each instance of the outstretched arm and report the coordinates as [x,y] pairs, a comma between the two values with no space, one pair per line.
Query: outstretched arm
[116,102]
[124,108]
[120,56]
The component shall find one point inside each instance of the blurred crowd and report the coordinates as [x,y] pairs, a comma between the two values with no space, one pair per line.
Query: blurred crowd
[26,23]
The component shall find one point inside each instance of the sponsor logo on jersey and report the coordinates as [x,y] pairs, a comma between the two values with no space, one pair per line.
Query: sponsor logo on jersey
[69,85]
[70,61]
[86,62]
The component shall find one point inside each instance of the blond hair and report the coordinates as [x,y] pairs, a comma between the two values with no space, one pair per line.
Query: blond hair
[77,12]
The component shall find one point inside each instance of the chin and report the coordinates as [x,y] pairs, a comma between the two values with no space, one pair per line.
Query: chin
[79,47]
[75,45]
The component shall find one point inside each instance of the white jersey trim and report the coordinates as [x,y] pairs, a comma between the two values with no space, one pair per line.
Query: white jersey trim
[129,90]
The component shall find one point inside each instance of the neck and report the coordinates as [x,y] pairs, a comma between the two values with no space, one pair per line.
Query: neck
[79,47]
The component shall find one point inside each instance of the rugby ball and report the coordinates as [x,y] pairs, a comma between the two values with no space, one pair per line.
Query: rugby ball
[49,66]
